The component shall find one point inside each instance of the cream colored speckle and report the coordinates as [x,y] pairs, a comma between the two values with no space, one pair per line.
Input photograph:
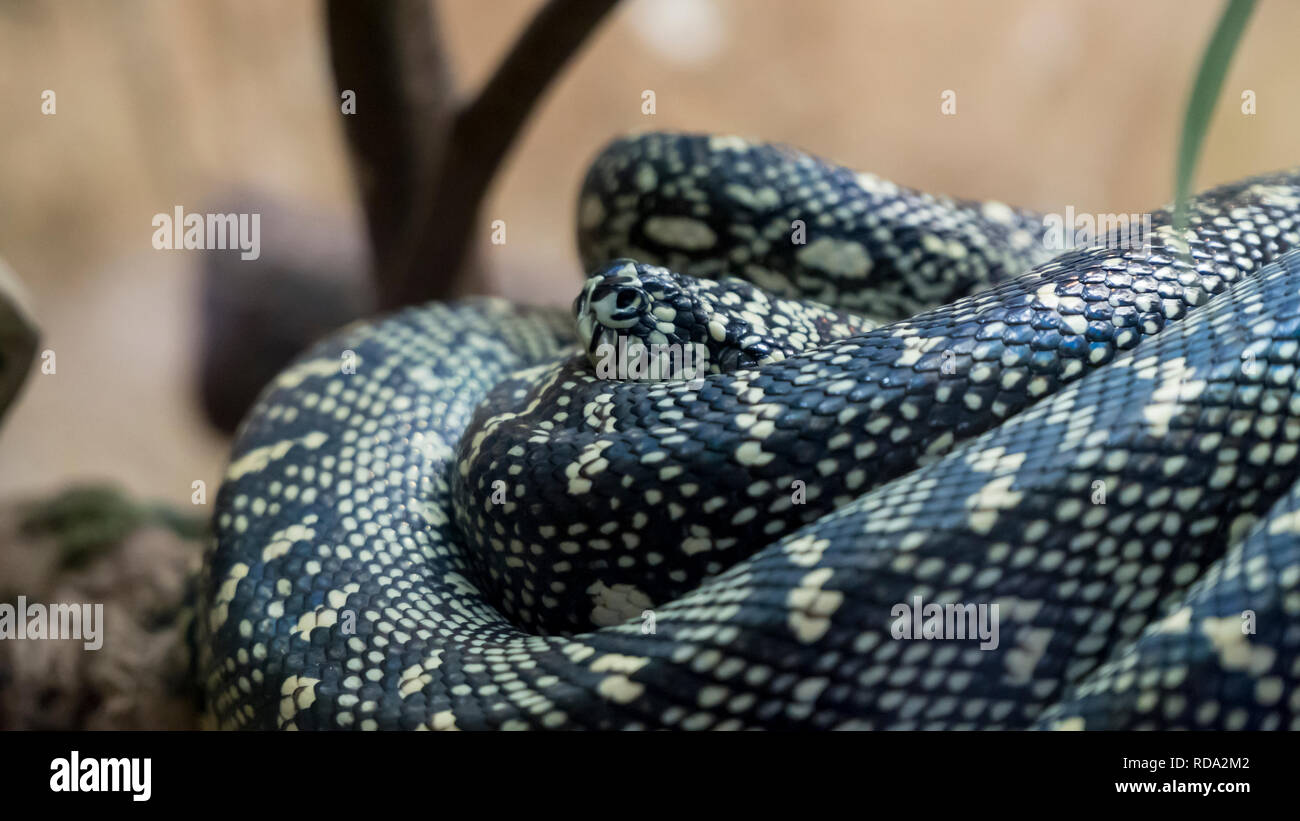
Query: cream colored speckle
[686,233]
[258,458]
[843,258]
[620,688]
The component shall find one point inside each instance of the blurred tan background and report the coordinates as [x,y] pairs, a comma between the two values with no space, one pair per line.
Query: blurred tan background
[1059,102]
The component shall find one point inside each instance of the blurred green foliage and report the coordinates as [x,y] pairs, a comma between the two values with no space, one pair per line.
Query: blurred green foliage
[87,520]
[1205,93]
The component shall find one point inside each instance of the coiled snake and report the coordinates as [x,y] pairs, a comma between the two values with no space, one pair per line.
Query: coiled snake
[450,518]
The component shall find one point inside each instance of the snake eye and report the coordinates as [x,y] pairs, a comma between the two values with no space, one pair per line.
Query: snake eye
[617,305]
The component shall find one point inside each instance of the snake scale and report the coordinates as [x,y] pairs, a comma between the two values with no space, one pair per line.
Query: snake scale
[451,518]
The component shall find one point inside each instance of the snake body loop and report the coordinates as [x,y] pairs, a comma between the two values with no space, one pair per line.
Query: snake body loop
[796,225]
[476,530]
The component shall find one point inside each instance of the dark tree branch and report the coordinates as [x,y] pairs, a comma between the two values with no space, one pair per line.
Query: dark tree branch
[389,53]
[422,252]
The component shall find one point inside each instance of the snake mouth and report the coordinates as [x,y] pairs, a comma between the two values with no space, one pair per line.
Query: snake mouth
[603,336]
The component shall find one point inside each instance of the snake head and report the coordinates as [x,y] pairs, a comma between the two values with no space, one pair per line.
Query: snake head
[638,321]
[613,299]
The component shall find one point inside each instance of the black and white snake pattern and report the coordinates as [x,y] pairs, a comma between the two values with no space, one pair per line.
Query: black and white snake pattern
[447,518]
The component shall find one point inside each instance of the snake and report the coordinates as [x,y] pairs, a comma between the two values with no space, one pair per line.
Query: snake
[795,412]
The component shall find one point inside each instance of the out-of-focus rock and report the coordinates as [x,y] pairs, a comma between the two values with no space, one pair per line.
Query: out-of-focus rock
[309,279]
[140,677]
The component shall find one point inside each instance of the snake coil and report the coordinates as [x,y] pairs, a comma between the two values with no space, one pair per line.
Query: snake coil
[476,530]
